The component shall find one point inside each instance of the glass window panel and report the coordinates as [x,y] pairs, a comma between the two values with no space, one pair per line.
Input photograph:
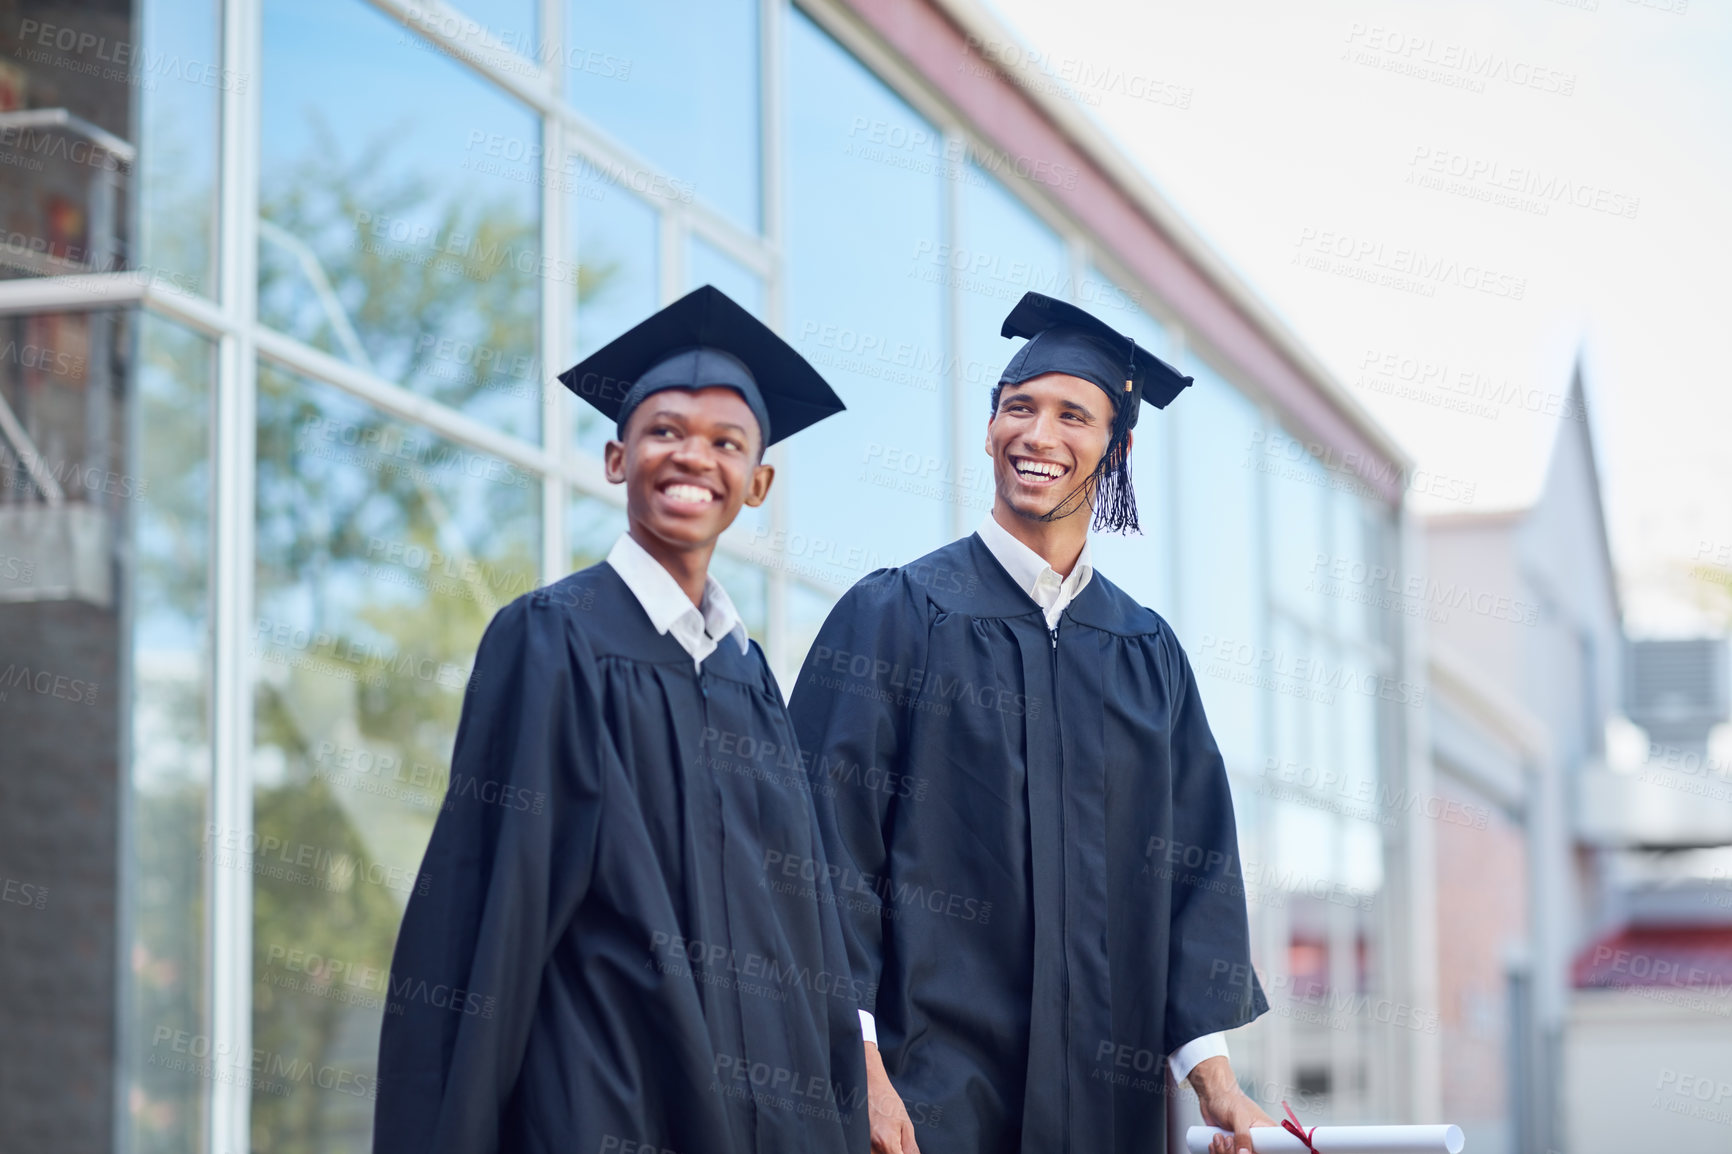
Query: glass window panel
[1308,951]
[1383,544]
[498,34]
[1350,564]
[1292,738]
[1220,558]
[1355,728]
[591,528]
[400,210]
[1249,808]
[1123,308]
[1301,569]
[748,588]
[511,23]
[874,486]
[1359,544]
[57,375]
[383,552]
[177,156]
[707,264]
[618,262]
[676,81]
[170,740]
[64,198]
[65,380]
[1326,690]
[1361,857]
[807,609]
[1002,250]
[1142,563]
[1304,847]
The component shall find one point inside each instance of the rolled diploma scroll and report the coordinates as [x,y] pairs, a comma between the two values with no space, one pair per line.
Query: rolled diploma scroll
[1341,1140]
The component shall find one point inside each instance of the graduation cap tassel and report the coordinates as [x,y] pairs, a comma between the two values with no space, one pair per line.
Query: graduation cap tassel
[1115,501]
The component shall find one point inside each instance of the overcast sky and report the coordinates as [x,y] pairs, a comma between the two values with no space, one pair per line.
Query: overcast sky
[1528,180]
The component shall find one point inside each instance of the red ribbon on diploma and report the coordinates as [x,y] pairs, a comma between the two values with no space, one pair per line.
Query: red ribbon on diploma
[1291,1125]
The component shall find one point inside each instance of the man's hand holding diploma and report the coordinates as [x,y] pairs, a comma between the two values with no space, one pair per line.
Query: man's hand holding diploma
[1224,1104]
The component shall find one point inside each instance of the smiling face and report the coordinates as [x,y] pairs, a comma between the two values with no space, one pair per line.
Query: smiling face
[1045,438]
[689,461]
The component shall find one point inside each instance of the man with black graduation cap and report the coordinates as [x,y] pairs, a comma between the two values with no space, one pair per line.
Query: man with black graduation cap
[590,963]
[1072,813]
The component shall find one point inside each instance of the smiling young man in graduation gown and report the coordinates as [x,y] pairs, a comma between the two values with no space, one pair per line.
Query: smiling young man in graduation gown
[591,961]
[1055,904]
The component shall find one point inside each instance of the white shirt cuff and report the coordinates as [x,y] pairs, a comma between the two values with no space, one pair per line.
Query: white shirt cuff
[1185,1058]
[868,1028]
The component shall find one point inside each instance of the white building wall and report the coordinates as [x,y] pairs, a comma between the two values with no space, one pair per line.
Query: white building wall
[1648,1070]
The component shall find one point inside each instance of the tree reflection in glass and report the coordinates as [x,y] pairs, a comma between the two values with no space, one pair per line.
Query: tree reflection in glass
[383,552]
[443,305]
[400,211]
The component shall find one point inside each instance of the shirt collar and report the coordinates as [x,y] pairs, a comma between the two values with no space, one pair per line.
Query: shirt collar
[1026,567]
[663,599]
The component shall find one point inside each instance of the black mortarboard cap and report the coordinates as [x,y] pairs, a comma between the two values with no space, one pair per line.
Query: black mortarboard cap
[1064,339]
[703,340]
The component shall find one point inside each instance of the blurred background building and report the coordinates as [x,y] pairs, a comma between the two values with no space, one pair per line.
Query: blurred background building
[1583,891]
[1649,1031]
[1526,653]
[285,287]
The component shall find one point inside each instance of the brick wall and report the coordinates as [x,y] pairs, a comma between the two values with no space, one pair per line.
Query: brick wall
[1482,910]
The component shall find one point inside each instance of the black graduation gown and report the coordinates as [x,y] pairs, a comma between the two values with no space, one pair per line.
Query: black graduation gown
[593,956]
[1033,843]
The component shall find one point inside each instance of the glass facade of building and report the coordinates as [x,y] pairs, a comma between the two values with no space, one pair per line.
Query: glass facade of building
[375,231]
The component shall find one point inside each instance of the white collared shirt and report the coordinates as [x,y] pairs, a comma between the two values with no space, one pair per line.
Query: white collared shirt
[698,628]
[1053,593]
[1033,575]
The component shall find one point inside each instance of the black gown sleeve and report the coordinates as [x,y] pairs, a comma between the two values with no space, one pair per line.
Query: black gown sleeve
[511,856]
[1210,983]
[850,710]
